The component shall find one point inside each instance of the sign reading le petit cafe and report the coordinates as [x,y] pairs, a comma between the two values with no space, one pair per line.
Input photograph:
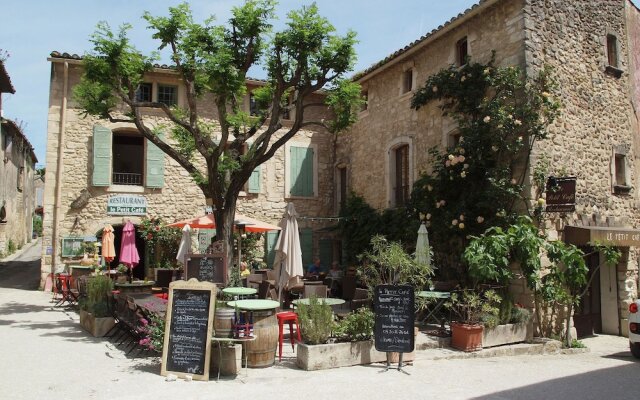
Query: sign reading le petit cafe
[126,204]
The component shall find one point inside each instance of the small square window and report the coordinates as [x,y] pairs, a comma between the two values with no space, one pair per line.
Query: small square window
[407,81]
[462,51]
[143,93]
[167,95]
[621,170]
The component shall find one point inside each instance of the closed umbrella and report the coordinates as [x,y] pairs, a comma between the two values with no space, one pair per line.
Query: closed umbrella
[185,245]
[128,251]
[423,255]
[108,248]
[288,259]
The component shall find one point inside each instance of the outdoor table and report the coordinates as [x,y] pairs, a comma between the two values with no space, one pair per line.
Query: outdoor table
[260,352]
[242,341]
[150,303]
[441,299]
[324,300]
[137,287]
[239,291]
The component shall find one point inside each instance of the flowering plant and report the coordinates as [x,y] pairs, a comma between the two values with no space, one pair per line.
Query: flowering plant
[152,331]
[158,236]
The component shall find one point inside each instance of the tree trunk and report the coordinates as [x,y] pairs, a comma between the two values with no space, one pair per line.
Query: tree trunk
[224,231]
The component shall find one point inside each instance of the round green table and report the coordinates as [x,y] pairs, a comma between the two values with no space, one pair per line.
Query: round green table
[239,291]
[254,305]
[434,295]
[324,300]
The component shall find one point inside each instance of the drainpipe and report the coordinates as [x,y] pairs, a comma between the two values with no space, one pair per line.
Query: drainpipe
[58,195]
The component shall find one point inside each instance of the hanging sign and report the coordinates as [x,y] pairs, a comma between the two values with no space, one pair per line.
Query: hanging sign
[561,194]
[126,204]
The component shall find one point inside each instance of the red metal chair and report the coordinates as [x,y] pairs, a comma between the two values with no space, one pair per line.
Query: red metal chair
[64,286]
[290,318]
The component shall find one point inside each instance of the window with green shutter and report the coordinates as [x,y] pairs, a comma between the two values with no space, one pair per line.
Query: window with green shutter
[154,176]
[306,246]
[326,252]
[101,156]
[253,186]
[301,171]
[270,247]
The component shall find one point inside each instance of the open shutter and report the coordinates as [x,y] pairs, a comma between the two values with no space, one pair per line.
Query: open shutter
[326,252]
[270,247]
[101,156]
[306,245]
[301,171]
[254,181]
[154,177]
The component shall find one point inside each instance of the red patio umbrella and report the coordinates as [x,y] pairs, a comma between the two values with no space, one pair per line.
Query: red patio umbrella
[208,222]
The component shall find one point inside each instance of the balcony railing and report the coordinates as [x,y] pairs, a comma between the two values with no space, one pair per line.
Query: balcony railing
[122,178]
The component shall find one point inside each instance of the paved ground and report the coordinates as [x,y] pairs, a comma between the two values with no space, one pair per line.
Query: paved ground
[46,355]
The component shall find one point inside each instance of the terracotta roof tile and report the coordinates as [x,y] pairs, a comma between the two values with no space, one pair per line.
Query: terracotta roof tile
[5,80]
[11,125]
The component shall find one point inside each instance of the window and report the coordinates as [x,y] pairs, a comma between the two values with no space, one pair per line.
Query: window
[143,93]
[621,181]
[20,178]
[407,81]
[306,246]
[8,148]
[301,170]
[365,100]
[128,159]
[270,247]
[453,139]
[286,113]
[253,105]
[462,51]
[612,51]
[401,175]
[341,178]
[168,95]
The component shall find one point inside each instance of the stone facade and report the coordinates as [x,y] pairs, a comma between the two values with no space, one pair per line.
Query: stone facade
[17,168]
[598,124]
[74,207]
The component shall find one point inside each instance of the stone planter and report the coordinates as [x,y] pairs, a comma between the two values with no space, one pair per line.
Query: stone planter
[230,359]
[506,334]
[334,355]
[97,327]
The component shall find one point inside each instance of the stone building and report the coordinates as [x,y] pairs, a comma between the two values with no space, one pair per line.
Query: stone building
[92,164]
[593,47]
[17,194]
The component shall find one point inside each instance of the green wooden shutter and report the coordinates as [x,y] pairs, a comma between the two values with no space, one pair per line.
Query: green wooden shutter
[306,245]
[270,247]
[254,181]
[301,171]
[326,252]
[101,156]
[154,168]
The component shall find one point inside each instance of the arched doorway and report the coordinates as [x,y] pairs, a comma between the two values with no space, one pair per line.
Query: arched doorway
[139,271]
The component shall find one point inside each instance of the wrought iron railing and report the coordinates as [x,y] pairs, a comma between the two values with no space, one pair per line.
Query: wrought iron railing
[122,178]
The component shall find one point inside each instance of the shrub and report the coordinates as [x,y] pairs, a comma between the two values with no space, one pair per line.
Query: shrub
[97,302]
[316,321]
[11,247]
[356,326]
[519,315]
[471,307]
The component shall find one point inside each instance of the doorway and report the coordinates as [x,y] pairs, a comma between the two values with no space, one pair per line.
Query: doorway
[139,271]
[587,317]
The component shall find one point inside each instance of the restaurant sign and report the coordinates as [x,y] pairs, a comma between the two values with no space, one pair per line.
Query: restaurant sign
[126,204]
[561,194]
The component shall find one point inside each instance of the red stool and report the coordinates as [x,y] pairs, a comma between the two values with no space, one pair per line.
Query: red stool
[290,318]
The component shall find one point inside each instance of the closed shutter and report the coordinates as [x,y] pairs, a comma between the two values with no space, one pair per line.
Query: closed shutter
[306,245]
[301,172]
[154,168]
[326,252]
[270,248]
[254,181]
[101,156]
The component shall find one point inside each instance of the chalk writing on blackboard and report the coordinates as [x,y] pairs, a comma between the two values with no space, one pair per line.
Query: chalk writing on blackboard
[394,318]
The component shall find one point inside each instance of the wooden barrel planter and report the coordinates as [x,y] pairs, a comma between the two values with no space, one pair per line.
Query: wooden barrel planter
[223,322]
[261,352]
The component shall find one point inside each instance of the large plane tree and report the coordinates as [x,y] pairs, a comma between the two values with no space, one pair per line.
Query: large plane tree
[305,57]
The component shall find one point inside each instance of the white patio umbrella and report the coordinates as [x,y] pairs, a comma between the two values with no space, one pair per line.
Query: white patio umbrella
[422,246]
[185,245]
[288,259]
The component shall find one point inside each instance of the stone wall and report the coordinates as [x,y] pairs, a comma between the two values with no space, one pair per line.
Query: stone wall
[179,198]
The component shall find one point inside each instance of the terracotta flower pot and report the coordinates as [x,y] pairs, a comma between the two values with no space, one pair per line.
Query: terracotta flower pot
[466,337]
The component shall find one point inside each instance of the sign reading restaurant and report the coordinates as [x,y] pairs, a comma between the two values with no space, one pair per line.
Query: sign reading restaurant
[126,204]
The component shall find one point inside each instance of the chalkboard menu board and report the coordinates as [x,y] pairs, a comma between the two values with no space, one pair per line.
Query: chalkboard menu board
[206,267]
[394,318]
[188,329]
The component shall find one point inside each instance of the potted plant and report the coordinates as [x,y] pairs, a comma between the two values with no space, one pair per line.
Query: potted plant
[514,326]
[123,271]
[473,310]
[95,310]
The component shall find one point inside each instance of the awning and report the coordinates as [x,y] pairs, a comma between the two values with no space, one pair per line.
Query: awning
[589,235]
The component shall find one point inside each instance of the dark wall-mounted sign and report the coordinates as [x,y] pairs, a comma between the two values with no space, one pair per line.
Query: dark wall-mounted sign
[206,267]
[561,194]
[394,318]
[189,327]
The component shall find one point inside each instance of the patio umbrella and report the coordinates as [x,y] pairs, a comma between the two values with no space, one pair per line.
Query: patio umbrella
[128,251]
[422,246]
[288,259]
[208,222]
[108,248]
[185,245]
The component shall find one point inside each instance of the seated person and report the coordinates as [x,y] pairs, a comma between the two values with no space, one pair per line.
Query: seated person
[314,270]
[244,271]
[335,271]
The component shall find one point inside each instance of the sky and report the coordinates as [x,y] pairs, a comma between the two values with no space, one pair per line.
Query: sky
[32,29]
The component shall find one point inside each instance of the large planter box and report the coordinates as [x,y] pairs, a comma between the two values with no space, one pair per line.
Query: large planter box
[229,358]
[97,327]
[506,334]
[334,355]
[466,337]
